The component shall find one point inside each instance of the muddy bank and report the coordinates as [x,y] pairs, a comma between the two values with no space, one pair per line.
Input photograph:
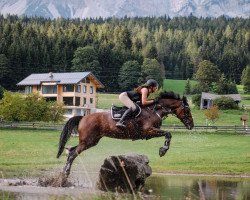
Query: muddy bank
[77,185]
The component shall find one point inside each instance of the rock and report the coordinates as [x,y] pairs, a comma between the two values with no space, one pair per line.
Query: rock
[124,173]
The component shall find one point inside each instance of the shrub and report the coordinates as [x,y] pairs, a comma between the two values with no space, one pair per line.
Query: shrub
[212,114]
[225,103]
[196,100]
[31,107]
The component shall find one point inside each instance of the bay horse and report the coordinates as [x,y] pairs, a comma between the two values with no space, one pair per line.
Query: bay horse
[93,127]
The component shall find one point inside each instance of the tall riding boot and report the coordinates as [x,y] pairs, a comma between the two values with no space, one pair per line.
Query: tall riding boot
[120,123]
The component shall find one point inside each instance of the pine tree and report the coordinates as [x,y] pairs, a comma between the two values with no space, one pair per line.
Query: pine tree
[188,87]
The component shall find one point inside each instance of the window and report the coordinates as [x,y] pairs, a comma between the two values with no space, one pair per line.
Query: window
[77,101]
[68,101]
[68,88]
[49,89]
[91,90]
[68,111]
[91,100]
[84,100]
[78,88]
[86,80]
[79,112]
[28,89]
[51,98]
[84,89]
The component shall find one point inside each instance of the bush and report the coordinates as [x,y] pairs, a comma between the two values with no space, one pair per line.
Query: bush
[196,100]
[212,114]
[225,103]
[31,107]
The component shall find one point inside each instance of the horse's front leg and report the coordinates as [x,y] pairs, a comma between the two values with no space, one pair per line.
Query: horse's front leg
[163,150]
[155,132]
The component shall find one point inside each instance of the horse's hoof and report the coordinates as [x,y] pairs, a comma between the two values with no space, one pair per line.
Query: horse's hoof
[162,151]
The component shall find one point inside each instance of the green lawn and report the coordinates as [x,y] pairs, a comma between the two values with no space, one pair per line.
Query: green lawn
[177,86]
[227,117]
[33,152]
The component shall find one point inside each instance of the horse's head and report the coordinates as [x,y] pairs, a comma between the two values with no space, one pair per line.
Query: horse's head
[177,106]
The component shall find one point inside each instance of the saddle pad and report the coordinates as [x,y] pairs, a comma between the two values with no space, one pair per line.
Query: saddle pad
[117,112]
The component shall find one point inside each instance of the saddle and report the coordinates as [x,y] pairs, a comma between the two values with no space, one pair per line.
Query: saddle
[117,111]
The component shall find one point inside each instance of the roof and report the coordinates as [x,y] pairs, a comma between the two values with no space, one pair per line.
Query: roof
[60,78]
[235,97]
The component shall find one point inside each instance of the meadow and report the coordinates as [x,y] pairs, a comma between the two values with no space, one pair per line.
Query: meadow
[227,117]
[26,153]
[33,152]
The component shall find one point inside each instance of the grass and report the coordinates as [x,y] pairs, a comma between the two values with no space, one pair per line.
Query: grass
[177,86]
[32,153]
[227,117]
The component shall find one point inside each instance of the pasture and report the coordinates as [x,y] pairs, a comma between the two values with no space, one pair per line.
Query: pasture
[227,117]
[26,153]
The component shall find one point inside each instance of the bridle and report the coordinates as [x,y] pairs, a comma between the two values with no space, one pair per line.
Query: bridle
[166,110]
[184,108]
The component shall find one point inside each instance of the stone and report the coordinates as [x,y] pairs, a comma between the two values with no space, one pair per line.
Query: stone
[124,173]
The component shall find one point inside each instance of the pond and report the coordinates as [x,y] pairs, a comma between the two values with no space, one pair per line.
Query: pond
[174,187]
[194,187]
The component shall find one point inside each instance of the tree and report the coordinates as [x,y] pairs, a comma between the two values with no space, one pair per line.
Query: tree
[129,74]
[151,69]
[245,79]
[212,114]
[207,73]
[1,92]
[187,87]
[4,70]
[224,86]
[86,59]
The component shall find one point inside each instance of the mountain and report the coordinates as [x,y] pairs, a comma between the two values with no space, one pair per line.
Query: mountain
[120,8]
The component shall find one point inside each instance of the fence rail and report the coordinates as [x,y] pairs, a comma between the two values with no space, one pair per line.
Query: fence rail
[59,126]
[32,125]
[225,128]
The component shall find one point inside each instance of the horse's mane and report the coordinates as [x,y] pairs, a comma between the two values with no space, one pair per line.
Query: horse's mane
[172,95]
[169,95]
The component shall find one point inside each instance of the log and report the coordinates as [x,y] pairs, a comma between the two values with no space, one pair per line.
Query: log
[124,173]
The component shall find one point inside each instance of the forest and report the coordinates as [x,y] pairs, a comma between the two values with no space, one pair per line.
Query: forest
[117,50]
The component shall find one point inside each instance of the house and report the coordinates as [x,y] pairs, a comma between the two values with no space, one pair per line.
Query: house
[207,99]
[76,89]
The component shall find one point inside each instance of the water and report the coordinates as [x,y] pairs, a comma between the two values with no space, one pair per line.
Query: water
[169,187]
[192,187]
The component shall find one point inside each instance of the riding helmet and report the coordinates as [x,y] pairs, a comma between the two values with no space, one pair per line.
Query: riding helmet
[152,83]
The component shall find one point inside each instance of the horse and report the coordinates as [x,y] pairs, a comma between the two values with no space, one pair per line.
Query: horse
[91,128]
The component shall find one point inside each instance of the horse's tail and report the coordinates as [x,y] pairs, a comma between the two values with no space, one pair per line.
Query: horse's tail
[70,126]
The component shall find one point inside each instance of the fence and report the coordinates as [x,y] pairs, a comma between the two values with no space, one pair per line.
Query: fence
[228,128]
[59,126]
[32,125]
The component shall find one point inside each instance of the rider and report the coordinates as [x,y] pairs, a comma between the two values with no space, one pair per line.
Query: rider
[139,94]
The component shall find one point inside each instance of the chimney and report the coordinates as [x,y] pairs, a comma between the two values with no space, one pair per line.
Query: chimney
[51,75]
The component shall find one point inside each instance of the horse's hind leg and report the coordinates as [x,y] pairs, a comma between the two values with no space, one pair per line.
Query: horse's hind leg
[71,157]
[163,150]
[75,151]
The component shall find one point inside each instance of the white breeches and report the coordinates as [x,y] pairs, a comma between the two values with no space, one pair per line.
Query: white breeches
[123,97]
